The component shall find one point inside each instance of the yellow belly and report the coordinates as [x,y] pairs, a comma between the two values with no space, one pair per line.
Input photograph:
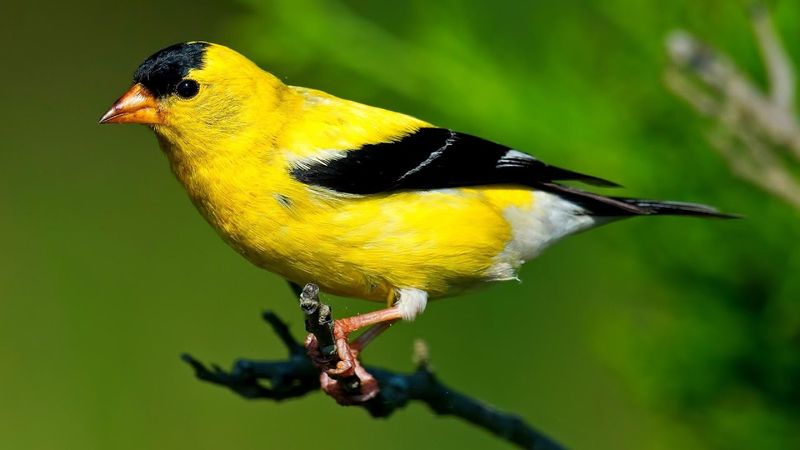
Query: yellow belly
[441,242]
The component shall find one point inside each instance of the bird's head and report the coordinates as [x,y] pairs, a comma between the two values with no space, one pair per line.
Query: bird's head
[196,92]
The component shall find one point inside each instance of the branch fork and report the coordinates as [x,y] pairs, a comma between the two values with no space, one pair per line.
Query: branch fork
[757,132]
[297,376]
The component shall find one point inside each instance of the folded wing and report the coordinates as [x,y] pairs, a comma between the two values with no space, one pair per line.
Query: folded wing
[432,158]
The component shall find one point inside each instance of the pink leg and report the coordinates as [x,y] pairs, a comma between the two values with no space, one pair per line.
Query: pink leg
[341,332]
[368,336]
[348,364]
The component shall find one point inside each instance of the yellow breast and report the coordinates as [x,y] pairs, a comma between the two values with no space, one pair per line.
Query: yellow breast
[441,241]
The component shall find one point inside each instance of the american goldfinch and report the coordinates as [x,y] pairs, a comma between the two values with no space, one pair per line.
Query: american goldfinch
[362,201]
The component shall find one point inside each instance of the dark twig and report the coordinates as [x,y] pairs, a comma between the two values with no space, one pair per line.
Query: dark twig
[319,322]
[297,376]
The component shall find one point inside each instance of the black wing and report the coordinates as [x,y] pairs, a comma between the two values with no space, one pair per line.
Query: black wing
[432,158]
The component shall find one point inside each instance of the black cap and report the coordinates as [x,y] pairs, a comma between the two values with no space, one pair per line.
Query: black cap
[162,71]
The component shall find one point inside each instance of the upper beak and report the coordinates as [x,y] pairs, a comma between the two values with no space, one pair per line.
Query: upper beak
[135,106]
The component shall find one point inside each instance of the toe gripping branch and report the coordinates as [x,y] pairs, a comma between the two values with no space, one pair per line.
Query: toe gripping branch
[319,322]
[297,376]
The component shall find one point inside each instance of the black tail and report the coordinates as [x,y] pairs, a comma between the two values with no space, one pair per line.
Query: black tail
[668,208]
[600,205]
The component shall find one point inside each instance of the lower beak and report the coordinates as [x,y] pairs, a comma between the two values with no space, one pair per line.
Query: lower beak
[135,106]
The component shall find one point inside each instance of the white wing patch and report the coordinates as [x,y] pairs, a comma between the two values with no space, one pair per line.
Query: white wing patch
[513,158]
[318,157]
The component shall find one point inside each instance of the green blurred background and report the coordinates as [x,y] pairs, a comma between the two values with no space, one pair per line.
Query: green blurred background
[648,334]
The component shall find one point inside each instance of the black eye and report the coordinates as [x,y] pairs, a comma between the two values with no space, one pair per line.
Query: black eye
[187,88]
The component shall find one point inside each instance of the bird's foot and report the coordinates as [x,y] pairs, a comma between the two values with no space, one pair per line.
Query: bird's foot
[350,390]
[341,374]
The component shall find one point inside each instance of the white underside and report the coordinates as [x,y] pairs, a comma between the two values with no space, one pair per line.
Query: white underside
[535,228]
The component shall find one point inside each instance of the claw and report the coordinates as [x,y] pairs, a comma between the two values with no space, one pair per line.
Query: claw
[341,374]
[368,387]
[333,378]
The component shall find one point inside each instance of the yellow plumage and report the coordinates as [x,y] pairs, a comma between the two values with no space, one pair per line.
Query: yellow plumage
[365,202]
[237,138]
[438,241]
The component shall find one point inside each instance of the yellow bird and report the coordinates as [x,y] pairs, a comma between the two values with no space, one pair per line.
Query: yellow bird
[365,202]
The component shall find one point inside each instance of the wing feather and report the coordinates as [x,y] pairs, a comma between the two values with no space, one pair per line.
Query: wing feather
[432,158]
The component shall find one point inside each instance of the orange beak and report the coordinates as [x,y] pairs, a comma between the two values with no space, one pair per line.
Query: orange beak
[135,106]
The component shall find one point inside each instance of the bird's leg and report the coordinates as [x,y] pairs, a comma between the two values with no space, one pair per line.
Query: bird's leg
[348,354]
[334,380]
[367,336]
[408,306]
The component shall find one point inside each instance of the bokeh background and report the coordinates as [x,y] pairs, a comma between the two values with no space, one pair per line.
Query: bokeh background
[648,334]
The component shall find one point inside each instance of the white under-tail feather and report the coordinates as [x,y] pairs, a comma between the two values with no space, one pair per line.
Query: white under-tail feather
[535,228]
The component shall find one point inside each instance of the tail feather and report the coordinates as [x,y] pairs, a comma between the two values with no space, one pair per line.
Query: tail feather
[671,208]
[602,206]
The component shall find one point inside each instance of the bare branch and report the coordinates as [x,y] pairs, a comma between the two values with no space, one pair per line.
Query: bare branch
[297,376]
[720,75]
[699,99]
[767,170]
[319,322]
[756,134]
[779,67]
